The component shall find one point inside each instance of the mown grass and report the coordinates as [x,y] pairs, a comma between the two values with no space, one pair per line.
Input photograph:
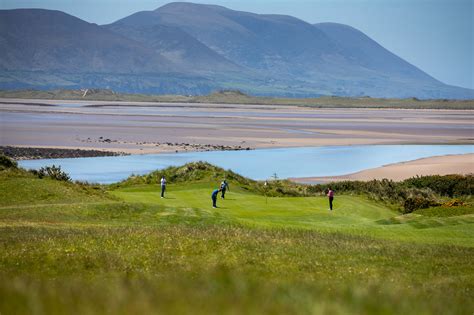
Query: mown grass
[128,251]
[353,214]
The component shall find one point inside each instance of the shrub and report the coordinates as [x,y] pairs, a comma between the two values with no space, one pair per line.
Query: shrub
[6,162]
[448,185]
[53,172]
[453,203]
[417,202]
[388,191]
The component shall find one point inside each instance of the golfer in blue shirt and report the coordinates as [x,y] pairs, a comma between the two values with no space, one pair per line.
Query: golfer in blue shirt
[214,197]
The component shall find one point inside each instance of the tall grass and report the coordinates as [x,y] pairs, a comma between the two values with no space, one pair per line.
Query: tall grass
[226,269]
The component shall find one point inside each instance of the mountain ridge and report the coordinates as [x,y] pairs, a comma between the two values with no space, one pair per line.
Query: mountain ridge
[64,42]
[174,43]
[187,48]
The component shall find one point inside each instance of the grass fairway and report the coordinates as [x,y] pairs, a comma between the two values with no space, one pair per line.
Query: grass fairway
[67,248]
[355,215]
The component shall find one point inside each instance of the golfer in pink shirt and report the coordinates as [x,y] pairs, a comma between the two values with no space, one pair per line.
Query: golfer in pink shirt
[331,197]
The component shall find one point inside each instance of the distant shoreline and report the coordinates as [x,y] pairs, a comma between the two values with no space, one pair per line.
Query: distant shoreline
[462,164]
[237,97]
[20,153]
[437,165]
[35,153]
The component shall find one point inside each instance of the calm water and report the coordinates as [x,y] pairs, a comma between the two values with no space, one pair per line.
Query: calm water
[256,164]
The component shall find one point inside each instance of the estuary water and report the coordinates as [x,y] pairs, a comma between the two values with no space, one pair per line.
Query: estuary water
[256,164]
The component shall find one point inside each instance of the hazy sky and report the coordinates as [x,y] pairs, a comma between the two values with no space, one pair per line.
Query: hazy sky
[435,35]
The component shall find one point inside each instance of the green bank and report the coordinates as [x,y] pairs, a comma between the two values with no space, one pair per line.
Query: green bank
[237,97]
[75,248]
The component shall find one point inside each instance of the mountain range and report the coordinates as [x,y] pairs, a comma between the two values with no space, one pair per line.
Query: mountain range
[186,48]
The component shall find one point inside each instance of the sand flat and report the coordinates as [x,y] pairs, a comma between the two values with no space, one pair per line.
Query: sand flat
[145,127]
[140,128]
[438,165]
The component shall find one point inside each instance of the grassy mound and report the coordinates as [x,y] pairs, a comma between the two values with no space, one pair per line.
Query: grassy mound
[19,187]
[206,172]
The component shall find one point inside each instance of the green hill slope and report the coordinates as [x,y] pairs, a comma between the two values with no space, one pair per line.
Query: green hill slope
[355,215]
[69,248]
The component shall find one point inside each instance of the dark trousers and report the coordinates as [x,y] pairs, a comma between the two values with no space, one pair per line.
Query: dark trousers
[330,202]
[163,188]
[214,200]
[223,193]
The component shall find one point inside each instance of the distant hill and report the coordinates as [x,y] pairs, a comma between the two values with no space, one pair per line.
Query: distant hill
[49,49]
[186,48]
[361,50]
[45,40]
[176,45]
[269,42]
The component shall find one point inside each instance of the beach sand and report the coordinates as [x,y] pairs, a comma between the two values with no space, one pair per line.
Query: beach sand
[438,165]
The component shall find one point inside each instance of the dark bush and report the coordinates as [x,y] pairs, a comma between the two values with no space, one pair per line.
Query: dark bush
[6,162]
[384,190]
[417,202]
[53,172]
[448,185]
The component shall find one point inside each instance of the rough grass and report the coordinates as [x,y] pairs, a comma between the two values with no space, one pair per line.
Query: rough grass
[75,249]
[444,211]
[225,269]
[18,187]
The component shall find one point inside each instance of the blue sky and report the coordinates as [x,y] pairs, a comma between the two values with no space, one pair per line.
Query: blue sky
[435,35]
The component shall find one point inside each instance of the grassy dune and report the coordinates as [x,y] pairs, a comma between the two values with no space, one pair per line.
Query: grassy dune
[68,248]
[236,97]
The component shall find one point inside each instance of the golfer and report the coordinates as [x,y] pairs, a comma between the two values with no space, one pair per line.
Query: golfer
[214,197]
[331,197]
[224,187]
[163,186]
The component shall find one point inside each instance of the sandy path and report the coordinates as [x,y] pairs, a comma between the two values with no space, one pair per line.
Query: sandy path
[439,165]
